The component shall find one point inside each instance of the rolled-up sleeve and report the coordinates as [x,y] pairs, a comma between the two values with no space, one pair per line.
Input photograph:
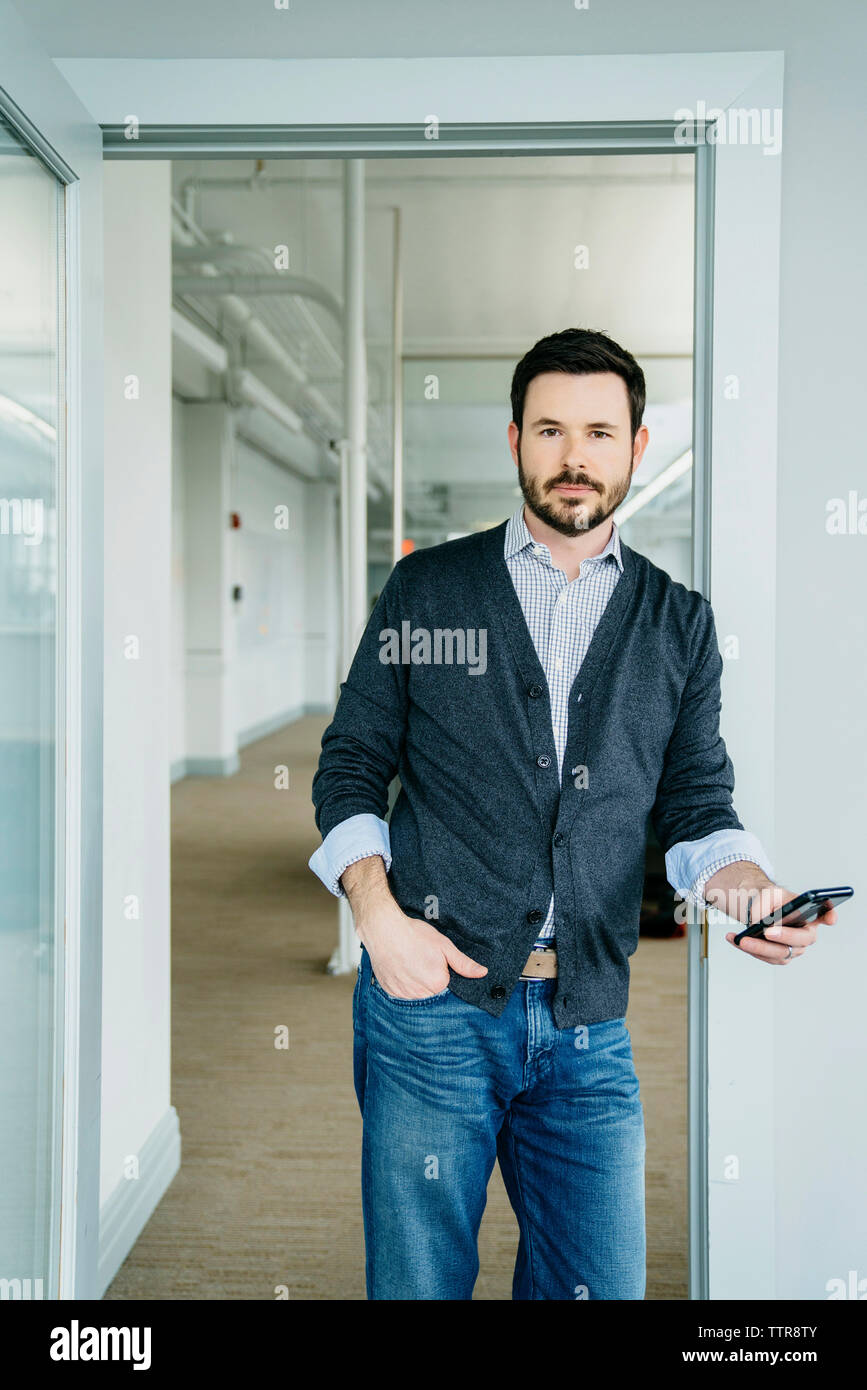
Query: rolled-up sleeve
[689,864]
[359,837]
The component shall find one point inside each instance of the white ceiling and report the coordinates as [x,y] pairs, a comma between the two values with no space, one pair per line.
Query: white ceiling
[488,243]
[489,267]
[384,28]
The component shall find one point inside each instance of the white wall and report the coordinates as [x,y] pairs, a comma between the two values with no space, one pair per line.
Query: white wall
[209,625]
[290,586]
[136,970]
[820,1053]
[283,657]
[268,563]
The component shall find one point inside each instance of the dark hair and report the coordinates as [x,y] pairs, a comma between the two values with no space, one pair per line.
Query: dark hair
[581,352]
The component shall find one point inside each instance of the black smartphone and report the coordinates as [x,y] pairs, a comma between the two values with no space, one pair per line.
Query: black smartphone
[806,907]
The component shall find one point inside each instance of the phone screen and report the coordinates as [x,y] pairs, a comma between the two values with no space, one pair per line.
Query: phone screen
[799,911]
[797,914]
[806,914]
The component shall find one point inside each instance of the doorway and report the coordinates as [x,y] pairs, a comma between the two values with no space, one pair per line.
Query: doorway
[456,477]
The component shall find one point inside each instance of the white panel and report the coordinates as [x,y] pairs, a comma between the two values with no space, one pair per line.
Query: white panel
[138,490]
[268,563]
[328,90]
[743,583]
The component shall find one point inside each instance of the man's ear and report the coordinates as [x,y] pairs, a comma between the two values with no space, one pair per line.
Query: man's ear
[514,435]
[639,445]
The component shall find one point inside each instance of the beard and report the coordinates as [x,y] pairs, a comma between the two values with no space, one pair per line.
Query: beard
[567,515]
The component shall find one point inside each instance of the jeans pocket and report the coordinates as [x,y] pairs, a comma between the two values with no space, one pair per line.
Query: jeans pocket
[406,1003]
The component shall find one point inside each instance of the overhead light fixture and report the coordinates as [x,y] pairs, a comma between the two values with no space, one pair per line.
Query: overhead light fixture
[18,414]
[669,474]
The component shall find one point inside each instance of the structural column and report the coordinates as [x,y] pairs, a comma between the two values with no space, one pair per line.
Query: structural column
[355,402]
[353,492]
[322,649]
[397,396]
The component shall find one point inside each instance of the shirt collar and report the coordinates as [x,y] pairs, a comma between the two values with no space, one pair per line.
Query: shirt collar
[518,538]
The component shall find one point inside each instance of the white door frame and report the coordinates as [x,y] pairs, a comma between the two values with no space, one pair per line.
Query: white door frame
[49,119]
[602,104]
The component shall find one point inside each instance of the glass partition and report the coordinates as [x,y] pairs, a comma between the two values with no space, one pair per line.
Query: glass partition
[31,441]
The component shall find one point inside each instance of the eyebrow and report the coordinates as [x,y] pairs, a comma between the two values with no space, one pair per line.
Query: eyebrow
[593,425]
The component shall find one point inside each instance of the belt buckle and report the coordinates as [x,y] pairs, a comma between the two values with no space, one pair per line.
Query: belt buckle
[539,951]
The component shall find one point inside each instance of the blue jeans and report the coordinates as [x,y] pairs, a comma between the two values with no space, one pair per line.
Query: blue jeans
[444,1090]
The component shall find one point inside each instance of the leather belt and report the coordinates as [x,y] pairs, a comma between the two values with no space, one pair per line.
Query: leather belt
[541,964]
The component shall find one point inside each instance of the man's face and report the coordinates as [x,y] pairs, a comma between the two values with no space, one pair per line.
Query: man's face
[575,453]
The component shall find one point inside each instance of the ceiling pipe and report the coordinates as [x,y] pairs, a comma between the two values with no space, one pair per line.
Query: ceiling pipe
[243,388]
[213,353]
[280,282]
[245,321]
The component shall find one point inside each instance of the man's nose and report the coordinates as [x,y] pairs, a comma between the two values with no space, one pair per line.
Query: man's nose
[573,453]
[573,459]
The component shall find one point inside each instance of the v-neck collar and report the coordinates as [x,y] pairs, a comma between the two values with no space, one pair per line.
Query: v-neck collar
[507,605]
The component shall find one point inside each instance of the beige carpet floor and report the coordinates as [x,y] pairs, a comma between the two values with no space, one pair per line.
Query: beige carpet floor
[268,1191]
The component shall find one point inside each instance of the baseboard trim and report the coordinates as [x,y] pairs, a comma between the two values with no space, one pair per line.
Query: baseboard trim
[279,721]
[227,767]
[213,767]
[254,732]
[127,1210]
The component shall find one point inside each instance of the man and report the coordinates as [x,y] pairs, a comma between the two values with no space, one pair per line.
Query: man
[541,689]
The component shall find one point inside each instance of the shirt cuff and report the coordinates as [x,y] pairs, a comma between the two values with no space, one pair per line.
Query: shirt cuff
[355,838]
[690,863]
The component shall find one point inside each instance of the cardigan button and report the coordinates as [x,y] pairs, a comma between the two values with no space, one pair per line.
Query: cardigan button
[543,760]
[534,692]
[559,839]
[534,916]
[497,992]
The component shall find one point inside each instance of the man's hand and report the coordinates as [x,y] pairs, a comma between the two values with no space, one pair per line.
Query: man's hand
[409,957]
[730,890]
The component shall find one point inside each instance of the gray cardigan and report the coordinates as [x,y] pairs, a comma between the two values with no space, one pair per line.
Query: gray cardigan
[482,826]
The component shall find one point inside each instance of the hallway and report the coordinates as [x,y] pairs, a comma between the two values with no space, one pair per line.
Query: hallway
[268,1191]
